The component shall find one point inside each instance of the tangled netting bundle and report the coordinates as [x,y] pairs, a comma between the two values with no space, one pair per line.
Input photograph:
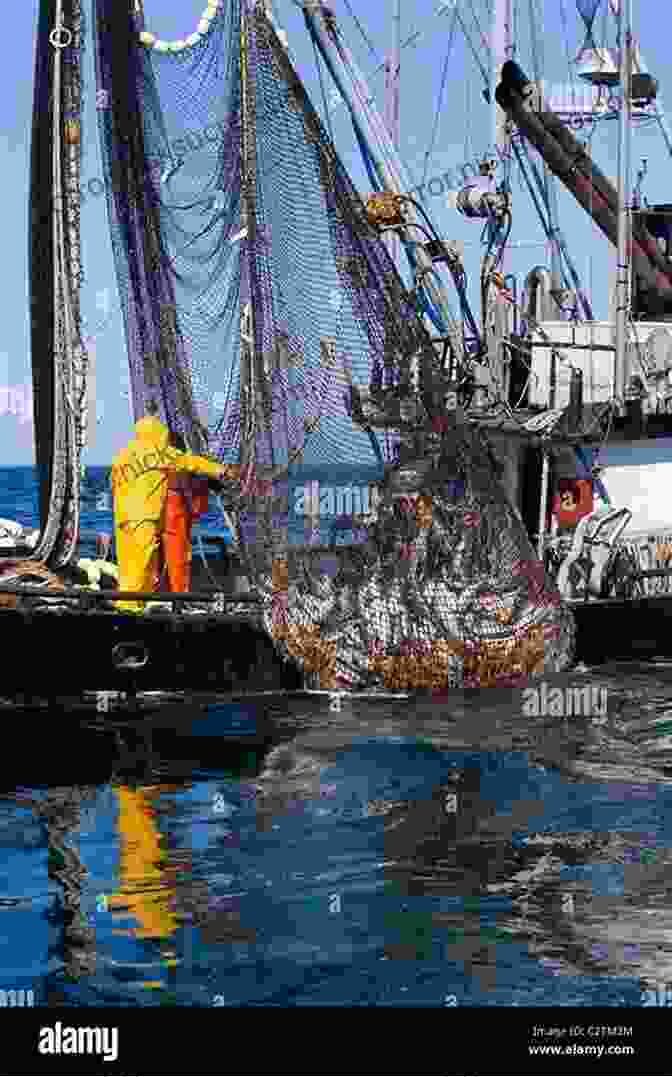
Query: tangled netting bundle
[58,356]
[445,590]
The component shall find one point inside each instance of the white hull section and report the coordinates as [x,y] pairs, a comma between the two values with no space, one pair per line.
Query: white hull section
[638,476]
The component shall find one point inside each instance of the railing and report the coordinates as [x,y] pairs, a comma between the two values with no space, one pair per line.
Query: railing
[86,599]
[654,576]
[651,569]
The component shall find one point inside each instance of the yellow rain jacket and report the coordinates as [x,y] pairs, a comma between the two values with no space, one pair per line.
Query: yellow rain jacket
[140,472]
[140,475]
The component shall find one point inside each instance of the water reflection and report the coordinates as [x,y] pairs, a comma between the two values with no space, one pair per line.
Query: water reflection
[377,855]
[73,938]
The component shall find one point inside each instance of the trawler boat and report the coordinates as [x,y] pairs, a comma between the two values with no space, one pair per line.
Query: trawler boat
[464,605]
[467,600]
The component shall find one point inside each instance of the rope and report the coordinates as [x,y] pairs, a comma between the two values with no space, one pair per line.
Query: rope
[484,73]
[204,560]
[439,103]
[484,41]
[327,112]
[565,35]
[363,32]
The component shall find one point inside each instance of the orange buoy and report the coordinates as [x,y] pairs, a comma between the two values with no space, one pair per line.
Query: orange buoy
[573,501]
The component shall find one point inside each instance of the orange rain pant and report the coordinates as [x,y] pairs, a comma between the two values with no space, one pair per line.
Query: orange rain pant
[177,542]
[179,519]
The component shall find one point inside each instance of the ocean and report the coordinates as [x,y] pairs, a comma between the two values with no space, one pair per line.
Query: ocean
[482,849]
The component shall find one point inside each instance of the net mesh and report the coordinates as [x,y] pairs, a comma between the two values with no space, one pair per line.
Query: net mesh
[267,321]
[58,356]
[443,587]
[170,136]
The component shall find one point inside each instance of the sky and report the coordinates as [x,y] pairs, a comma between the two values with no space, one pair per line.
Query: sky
[462,132]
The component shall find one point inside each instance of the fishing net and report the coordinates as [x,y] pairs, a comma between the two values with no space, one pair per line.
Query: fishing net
[442,586]
[170,138]
[293,348]
[328,310]
[58,356]
[445,590]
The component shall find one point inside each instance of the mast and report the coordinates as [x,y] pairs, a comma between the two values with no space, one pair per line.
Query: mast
[550,190]
[496,318]
[624,130]
[637,55]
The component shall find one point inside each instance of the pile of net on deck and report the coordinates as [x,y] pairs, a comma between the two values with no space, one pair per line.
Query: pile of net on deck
[248,267]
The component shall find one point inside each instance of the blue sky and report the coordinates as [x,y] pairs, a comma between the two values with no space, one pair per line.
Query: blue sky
[463,131]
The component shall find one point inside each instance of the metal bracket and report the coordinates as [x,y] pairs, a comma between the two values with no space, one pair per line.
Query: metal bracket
[123,655]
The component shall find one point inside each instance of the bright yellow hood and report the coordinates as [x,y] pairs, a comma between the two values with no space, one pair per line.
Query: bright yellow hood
[151,431]
[140,473]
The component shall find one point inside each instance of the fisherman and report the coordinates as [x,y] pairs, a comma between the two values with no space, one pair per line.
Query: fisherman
[187,500]
[140,476]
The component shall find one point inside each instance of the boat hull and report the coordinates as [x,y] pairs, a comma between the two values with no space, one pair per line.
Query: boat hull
[50,653]
[608,629]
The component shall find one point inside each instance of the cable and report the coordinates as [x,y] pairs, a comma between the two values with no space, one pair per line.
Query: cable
[203,559]
[565,34]
[327,112]
[484,41]
[369,164]
[459,276]
[444,74]
[484,73]
[570,277]
[363,32]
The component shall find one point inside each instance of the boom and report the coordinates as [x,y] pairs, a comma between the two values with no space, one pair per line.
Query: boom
[570,161]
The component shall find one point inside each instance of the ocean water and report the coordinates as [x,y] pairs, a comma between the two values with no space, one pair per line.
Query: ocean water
[340,492]
[461,851]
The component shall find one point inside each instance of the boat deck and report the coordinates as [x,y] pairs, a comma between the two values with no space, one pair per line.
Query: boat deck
[58,645]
